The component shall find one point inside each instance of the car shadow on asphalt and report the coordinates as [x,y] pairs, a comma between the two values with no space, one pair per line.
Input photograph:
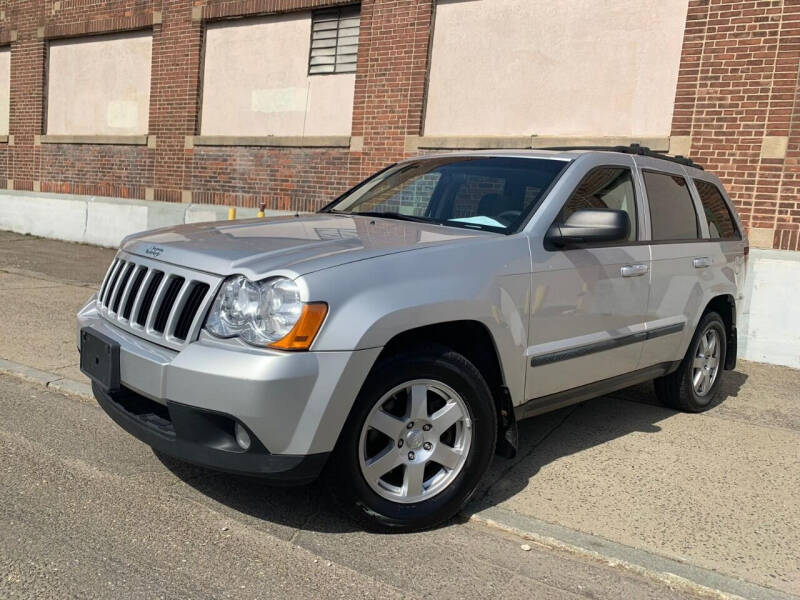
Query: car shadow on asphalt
[306,507]
[543,440]
[574,429]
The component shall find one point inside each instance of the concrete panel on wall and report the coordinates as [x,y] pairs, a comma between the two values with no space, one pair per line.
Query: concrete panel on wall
[769,324]
[101,221]
[99,85]
[585,67]
[256,82]
[5,88]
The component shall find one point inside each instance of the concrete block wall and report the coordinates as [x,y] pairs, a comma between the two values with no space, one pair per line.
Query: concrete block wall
[99,220]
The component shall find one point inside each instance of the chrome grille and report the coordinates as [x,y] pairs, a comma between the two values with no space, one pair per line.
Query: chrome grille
[160,302]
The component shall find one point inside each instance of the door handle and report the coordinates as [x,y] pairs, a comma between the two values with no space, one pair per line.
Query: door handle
[701,262]
[634,270]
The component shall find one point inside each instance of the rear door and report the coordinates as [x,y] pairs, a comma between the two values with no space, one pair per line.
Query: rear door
[588,304]
[682,260]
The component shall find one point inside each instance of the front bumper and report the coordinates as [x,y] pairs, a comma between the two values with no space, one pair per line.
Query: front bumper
[203,438]
[293,404]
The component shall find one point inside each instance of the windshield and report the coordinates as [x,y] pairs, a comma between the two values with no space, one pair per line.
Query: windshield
[492,193]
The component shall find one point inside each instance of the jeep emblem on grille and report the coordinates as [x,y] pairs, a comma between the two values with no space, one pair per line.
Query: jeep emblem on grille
[154,251]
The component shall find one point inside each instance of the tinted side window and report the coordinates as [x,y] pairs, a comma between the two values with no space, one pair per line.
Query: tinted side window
[605,187]
[672,212]
[720,221]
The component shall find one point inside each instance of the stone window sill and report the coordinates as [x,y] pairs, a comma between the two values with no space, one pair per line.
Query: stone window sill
[120,140]
[415,143]
[275,141]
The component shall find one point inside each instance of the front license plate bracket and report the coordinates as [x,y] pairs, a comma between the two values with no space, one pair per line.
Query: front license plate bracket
[100,359]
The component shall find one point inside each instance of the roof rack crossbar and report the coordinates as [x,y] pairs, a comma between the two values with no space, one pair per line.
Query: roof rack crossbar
[632,149]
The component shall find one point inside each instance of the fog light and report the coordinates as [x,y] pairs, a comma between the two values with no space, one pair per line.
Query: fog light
[242,437]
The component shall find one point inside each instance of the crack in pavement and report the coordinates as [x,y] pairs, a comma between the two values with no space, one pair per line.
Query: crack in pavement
[302,527]
[44,277]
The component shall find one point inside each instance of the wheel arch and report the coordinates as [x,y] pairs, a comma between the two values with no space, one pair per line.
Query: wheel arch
[725,306]
[473,340]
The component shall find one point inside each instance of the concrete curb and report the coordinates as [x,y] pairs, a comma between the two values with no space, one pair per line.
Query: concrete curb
[669,571]
[99,220]
[51,381]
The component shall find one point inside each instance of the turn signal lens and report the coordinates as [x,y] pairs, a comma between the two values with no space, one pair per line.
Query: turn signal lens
[305,330]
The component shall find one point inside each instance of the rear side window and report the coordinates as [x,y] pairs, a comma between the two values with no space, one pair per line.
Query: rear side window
[604,187]
[720,221]
[672,214]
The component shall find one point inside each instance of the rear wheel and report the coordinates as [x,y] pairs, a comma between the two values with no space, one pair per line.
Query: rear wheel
[694,386]
[420,437]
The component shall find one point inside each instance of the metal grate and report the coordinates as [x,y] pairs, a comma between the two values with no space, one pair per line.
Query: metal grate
[334,40]
[199,291]
[167,303]
[147,301]
[137,283]
[120,289]
[154,300]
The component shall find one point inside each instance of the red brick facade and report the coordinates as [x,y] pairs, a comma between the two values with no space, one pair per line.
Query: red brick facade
[388,105]
[738,84]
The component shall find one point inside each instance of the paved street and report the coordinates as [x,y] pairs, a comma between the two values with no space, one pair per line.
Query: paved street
[87,511]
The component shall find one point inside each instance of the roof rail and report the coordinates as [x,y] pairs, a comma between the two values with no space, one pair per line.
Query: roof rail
[633,149]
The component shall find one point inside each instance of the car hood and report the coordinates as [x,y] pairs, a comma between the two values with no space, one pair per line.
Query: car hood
[295,244]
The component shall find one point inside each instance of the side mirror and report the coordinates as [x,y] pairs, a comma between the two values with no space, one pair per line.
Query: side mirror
[591,226]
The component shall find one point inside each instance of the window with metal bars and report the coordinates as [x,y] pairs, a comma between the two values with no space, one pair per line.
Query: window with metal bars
[334,40]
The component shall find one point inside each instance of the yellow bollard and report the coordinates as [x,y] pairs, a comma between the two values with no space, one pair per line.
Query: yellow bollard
[231,213]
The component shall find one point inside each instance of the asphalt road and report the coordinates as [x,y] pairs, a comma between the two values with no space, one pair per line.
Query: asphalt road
[86,511]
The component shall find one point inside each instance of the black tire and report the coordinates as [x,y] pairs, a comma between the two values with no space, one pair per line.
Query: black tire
[677,390]
[344,478]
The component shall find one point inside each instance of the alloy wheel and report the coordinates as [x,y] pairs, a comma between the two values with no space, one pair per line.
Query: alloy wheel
[415,441]
[705,366]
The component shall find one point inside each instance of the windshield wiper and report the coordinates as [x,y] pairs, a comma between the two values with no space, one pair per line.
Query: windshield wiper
[392,215]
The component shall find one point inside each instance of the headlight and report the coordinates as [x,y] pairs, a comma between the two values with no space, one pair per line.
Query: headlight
[265,313]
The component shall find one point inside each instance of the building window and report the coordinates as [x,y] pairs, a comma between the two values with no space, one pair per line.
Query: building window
[334,40]
[99,85]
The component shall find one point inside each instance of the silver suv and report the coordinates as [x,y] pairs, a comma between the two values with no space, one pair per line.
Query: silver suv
[394,339]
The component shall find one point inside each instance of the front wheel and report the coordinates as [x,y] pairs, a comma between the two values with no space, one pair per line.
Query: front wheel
[418,440]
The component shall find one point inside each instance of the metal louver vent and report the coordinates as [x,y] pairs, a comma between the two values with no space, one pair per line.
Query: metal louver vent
[334,40]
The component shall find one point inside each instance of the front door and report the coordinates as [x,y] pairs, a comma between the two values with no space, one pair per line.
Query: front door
[588,304]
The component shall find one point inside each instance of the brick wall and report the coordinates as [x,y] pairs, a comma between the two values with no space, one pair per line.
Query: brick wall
[737,101]
[736,106]
[388,105]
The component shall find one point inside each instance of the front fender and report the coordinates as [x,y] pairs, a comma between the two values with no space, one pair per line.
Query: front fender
[486,280]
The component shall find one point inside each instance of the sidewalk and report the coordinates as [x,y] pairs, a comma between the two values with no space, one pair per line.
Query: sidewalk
[717,491]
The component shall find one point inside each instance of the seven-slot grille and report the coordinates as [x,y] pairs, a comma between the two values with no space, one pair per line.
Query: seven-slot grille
[155,300]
